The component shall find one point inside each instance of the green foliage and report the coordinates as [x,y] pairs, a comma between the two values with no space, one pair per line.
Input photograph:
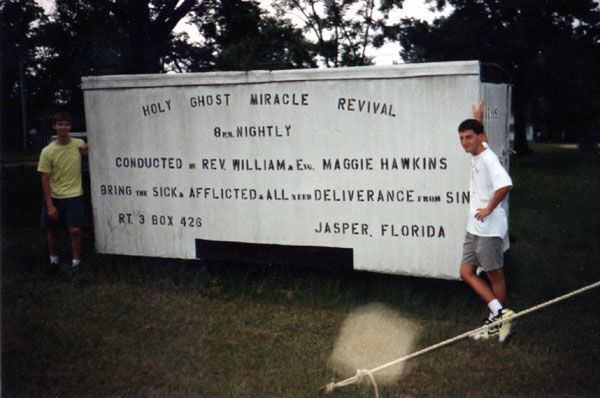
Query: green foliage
[551,49]
[244,39]
[344,29]
[106,37]
[82,38]
[17,48]
[552,52]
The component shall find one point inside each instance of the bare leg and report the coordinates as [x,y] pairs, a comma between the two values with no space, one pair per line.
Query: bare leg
[75,234]
[52,243]
[468,274]
[498,283]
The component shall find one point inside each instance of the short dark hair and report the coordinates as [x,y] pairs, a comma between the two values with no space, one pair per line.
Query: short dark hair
[61,117]
[471,124]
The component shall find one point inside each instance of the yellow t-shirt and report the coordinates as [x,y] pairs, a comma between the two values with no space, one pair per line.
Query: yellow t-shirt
[63,162]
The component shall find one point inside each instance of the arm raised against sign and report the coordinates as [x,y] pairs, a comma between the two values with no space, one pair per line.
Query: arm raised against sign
[478,115]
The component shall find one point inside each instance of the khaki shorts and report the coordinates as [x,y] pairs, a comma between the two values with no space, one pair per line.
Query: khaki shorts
[482,251]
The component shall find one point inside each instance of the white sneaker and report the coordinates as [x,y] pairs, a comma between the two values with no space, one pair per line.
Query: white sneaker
[505,329]
[486,334]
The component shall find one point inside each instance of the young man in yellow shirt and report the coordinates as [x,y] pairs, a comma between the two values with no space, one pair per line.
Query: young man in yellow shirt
[60,166]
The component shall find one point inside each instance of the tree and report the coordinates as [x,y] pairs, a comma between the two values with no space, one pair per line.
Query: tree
[151,22]
[550,48]
[101,37]
[17,18]
[122,36]
[244,38]
[344,29]
[104,37]
[185,56]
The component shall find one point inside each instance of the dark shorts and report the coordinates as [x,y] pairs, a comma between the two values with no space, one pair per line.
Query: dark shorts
[70,213]
[482,251]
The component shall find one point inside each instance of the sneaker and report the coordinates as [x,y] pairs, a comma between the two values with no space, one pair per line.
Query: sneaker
[52,269]
[505,329]
[75,268]
[486,334]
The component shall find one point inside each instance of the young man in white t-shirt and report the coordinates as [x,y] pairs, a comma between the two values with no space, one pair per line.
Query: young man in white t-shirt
[486,228]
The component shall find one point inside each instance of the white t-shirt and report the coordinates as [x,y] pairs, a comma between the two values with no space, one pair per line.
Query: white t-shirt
[487,176]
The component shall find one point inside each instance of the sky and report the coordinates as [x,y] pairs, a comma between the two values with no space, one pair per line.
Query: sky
[386,55]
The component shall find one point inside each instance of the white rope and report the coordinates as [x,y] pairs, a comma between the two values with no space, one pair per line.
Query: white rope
[357,378]
[370,374]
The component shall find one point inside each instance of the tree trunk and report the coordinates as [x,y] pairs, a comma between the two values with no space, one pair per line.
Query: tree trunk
[520,145]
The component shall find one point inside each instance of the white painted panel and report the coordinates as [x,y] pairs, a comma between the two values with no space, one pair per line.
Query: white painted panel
[397,198]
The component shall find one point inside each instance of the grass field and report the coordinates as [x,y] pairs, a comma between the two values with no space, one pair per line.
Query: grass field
[127,326]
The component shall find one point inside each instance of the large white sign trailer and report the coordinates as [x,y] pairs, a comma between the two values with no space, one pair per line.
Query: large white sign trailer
[358,167]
